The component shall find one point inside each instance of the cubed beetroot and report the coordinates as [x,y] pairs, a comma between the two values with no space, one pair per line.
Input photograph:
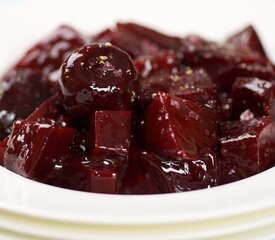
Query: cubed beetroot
[158,63]
[226,78]
[49,53]
[111,149]
[79,173]
[177,128]
[144,174]
[112,132]
[193,84]
[246,148]
[21,92]
[34,147]
[186,175]
[136,39]
[148,173]
[224,63]
[247,38]
[251,93]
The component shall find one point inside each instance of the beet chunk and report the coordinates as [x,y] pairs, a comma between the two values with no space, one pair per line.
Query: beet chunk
[226,78]
[251,93]
[158,63]
[33,148]
[49,53]
[192,84]
[186,175]
[110,154]
[144,175]
[247,148]
[97,77]
[225,62]
[21,92]
[148,173]
[179,129]
[137,40]
[247,38]
[112,131]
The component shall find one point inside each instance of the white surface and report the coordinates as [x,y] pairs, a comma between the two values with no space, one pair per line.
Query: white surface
[245,209]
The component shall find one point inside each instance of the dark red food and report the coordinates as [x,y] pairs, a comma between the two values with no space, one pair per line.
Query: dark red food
[49,53]
[247,148]
[21,92]
[137,40]
[251,93]
[247,38]
[45,144]
[225,62]
[185,113]
[178,129]
[97,77]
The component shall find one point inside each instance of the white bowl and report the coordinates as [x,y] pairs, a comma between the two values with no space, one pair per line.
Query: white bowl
[241,210]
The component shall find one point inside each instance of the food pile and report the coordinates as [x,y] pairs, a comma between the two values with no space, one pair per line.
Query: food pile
[130,110]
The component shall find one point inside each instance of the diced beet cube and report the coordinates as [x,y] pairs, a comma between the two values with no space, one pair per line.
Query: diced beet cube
[147,174]
[21,92]
[136,39]
[162,40]
[33,148]
[70,172]
[112,132]
[251,93]
[103,173]
[111,149]
[227,77]
[49,53]
[78,173]
[192,84]
[224,63]
[158,63]
[247,38]
[144,175]
[246,148]
[177,128]
[186,175]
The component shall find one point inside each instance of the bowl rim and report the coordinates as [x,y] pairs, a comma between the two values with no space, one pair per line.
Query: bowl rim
[38,200]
